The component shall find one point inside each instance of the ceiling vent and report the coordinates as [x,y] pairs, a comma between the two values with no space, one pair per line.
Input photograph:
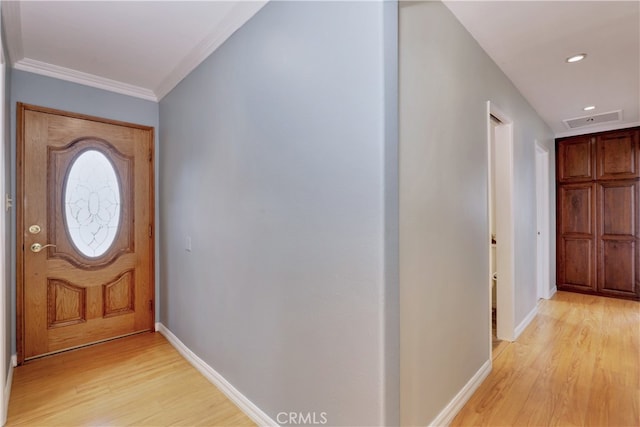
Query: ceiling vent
[596,119]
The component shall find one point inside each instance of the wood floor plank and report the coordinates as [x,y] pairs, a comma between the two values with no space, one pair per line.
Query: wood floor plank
[576,364]
[139,380]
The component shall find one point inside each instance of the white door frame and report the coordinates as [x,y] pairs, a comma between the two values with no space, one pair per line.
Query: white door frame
[3,243]
[505,230]
[542,221]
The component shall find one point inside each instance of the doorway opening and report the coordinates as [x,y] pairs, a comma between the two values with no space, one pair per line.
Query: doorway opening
[501,227]
[496,343]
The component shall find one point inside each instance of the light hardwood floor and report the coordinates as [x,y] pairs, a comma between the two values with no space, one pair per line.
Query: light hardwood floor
[139,380]
[576,364]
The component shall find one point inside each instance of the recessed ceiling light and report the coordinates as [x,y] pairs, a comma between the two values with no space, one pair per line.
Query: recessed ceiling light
[576,58]
[589,108]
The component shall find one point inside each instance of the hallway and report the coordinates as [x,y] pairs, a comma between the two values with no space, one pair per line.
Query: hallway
[578,363]
[138,380]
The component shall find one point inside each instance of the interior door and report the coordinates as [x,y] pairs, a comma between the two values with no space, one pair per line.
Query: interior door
[84,230]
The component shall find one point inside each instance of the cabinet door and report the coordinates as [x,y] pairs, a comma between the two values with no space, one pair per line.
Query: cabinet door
[576,237]
[576,159]
[618,255]
[618,155]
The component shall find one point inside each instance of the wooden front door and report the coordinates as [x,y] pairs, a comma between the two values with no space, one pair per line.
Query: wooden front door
[84,230]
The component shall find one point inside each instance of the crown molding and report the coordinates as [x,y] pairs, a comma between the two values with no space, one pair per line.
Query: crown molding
[62,73]
[235,18]
[11,22]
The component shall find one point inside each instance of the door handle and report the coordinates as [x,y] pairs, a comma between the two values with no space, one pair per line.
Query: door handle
[37,247]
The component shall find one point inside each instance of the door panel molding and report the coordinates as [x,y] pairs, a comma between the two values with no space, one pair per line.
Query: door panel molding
[59,160]
[59,312]
[119,295]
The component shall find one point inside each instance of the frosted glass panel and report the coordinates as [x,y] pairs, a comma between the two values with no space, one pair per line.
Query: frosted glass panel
[92,203]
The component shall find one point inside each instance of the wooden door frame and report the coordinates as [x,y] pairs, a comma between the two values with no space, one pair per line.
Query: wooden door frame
[21,108]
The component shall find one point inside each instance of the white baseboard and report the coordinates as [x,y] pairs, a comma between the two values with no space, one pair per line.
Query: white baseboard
[525,322]
[551,292]
[245,405]
[7,387]
[447,415]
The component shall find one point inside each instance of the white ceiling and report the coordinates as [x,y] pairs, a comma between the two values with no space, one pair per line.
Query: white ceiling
[145,48]
[141,48]
[530,40]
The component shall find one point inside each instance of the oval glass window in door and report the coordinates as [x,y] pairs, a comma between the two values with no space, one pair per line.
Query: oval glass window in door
[92,203]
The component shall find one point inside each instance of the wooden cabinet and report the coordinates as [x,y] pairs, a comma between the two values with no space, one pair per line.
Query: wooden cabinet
[598,215]
[617,155]
[617,254]
[576,159]
[577,236]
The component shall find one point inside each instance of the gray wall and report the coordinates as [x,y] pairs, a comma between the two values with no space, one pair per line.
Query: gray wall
[391,307]
[274,164]
[53,93]
[445,81]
